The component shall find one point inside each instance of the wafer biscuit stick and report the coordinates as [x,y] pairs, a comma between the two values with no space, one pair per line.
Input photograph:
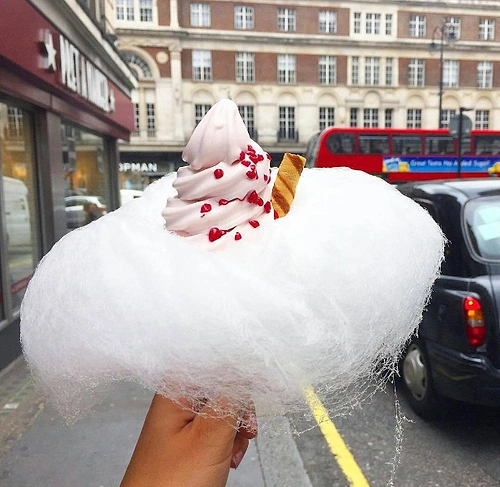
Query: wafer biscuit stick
[286,182]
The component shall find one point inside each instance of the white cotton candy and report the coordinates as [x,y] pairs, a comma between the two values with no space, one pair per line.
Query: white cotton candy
[317,298]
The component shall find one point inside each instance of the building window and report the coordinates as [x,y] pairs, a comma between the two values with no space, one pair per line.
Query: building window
[146,10]
[486,29]
[482,119]
[454,25]
[357,23]
[15,127]
[243,17]
[132,9]
[328,70]
[417,26]
[286,19]
[446,116]
[200,15]
[286,68]
[138,64]
[388,24]
[245,67]
[199,112]
[287,124]
[355,70]
[450,73]
[19,217]
[326,117]
[137,119]
[370,117]
[151,119]
[372,24]
[246,112]
[372,71]
[414,118]
[353,117]
[202,65]
[124,9]
[328,22]
[416,72]
[484,74]
[388,71]
[388,117]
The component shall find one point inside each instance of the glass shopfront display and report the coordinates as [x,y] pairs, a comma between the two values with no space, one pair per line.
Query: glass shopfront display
[20,216]
[86,176]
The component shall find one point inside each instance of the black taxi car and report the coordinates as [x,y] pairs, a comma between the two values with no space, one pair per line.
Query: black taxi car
[456,353]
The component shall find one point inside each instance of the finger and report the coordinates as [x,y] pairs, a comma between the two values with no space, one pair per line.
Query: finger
[240,446]
[248,424]
[175,415]
[217,419]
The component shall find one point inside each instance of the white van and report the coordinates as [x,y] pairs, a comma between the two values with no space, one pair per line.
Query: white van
[17,213]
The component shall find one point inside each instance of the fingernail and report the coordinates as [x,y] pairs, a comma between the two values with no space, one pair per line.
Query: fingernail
[237,457]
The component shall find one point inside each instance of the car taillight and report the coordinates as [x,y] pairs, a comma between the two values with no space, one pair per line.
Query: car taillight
[474,321]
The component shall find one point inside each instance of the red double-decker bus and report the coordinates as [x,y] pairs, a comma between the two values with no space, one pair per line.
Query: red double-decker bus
[400,155]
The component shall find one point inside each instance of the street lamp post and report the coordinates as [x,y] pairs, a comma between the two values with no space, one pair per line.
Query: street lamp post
[446,36]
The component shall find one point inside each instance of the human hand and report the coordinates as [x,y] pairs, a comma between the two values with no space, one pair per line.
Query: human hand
[178,447]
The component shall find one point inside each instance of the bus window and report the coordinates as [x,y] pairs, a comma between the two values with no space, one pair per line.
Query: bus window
[374,144]
[340,143]
[439,144]
[487,144]
[406,144]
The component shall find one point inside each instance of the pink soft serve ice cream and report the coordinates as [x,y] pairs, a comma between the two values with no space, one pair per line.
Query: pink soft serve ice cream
[225,191]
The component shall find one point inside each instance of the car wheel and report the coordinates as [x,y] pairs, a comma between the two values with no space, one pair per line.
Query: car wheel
[417,381]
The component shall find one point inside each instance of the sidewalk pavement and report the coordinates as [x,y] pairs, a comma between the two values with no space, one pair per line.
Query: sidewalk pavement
[38,449]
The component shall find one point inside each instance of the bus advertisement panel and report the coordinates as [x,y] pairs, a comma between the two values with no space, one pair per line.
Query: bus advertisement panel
[400,155]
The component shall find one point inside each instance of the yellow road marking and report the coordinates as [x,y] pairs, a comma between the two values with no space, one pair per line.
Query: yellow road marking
[336,443]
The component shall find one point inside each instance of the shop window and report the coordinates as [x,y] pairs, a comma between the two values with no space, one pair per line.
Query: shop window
[20,233]
[85,172]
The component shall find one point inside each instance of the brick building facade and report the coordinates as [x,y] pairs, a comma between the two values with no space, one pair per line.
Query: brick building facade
[296,66]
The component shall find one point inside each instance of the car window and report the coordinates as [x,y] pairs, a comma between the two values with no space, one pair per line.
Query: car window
[482,223]
[452,264]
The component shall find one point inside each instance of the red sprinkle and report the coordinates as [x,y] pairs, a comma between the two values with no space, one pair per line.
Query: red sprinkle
[260,202]
[206,208]
[251,175]
[276,216]
[253,197]
[218,173]
[268,156]
[267,207]
[245,163]
[237,236]
[266,177]
[215,233]
[223,202]
[254,223]
[242,155]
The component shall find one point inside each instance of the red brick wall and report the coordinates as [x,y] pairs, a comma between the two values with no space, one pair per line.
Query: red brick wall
[468,74]
[341,70]
[223,65]
[307,68]
[164,68]
[403,71]
[164,12]
[496,75]
[266,70]
[187,63]
[432,72]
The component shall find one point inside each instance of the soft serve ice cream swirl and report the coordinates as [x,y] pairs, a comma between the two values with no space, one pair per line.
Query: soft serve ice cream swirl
[225,191]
